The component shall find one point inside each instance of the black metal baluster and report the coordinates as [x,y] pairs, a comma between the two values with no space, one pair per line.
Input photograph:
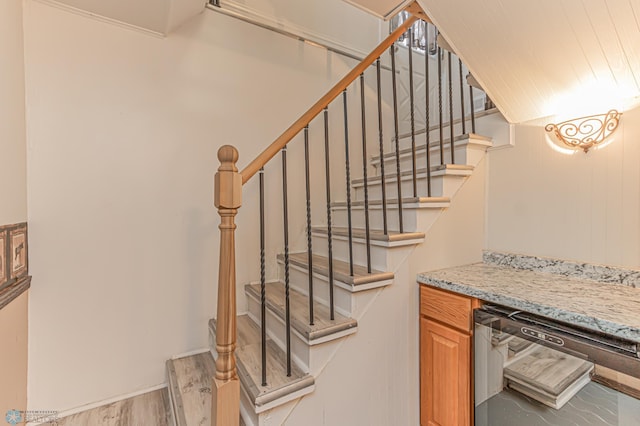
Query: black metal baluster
[285,209]
[413,121]
[440,105]
[473,113]
[397,140]
[348,170]
[462,116]
[364,173]
[453,161]
[263,295]
[329,231]
[309,239]
[381,144]
[427,120]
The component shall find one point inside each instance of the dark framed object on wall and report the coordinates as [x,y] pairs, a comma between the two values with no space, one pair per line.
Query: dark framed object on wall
[18,254]
[4,249]
[14,254]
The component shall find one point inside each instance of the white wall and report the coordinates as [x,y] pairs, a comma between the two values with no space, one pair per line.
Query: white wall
[582,206]
[13,208]
[13,174]
[123,133]
[332,22]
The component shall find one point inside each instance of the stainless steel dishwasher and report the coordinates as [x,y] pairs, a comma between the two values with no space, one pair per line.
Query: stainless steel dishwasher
[530,370]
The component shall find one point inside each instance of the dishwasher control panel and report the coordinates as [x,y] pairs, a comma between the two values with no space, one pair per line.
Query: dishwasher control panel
[542,336]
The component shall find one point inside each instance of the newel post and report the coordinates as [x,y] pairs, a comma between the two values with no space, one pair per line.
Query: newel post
[225,404]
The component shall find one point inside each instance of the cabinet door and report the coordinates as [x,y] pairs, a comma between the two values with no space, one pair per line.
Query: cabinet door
[445,391]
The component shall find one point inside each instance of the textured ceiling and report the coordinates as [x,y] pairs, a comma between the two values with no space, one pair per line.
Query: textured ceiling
[549,57]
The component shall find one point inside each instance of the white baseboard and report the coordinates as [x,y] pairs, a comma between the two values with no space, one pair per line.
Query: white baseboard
[191,353]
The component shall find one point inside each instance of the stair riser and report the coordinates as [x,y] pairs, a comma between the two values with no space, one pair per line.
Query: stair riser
[276,331]
[434,135]
[383,258]
[308,357]
[376,218]
[299,280]
[441,186]
[340,250]
[465,154]
[406,160]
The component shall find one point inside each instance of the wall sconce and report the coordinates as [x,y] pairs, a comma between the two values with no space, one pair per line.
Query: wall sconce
[586,132]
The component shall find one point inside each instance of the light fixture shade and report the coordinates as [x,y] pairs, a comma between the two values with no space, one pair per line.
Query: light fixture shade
[586,132]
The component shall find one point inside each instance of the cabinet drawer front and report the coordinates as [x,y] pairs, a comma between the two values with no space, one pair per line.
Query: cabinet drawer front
[452,309]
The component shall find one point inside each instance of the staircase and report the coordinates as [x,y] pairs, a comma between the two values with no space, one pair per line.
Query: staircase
[293,367]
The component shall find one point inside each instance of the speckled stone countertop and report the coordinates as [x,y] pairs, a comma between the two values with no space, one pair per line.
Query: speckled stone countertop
[610,305]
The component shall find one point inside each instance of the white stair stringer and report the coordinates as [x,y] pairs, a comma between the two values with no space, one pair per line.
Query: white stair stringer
[316,355]
[367,300]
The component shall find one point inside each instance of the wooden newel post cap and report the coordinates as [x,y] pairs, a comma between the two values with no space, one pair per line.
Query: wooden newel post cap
[228,157]
[228,182]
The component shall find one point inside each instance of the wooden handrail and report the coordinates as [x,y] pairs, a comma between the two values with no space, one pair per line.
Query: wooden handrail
[324,101]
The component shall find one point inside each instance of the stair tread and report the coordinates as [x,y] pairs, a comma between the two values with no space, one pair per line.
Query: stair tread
[190,381]
[249,362]
[374,234]
[391,202]
[435,144]
[341,270]
[299,306]
[442,169]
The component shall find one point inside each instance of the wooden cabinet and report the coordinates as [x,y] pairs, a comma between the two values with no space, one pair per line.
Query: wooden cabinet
[446,325]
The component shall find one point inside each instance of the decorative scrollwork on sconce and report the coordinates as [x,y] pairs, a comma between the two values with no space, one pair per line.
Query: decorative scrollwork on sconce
[586,132]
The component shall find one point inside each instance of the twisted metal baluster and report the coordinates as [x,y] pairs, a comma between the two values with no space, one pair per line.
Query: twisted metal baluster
[462,116]
[427,112]
[309,239]
[348,172]
[285,209]
[440,105]
[453,161]
[381,145]
[396,125]
[329,230]
[263,293]
[413,120]
[473,113]
[364,172]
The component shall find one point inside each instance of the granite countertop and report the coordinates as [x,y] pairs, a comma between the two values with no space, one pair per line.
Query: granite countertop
[607,301]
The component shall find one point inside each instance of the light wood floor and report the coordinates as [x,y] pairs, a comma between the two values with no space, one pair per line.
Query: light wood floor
[149,409]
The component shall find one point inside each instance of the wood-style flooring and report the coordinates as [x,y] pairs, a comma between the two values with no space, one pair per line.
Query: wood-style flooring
[190,378]
[149,409]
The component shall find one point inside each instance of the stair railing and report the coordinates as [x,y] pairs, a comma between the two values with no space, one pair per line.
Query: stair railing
[228,198]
